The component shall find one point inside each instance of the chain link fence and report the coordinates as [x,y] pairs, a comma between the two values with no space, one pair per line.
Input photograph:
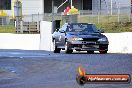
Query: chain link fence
[85,18]
[104,18]
[118,14]
[8,25]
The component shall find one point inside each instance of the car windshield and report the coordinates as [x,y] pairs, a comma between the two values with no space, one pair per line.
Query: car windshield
[81,28]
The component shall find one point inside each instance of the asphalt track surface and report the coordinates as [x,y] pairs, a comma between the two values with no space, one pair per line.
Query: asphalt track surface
[43,69]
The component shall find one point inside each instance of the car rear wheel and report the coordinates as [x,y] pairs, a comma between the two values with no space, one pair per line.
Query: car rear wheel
[55,49]
[103,52]
[90,52]
[67,50]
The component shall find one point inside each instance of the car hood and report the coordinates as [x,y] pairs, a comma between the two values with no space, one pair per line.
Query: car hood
[84,35]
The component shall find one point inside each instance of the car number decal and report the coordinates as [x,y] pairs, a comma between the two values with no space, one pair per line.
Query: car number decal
[60,38]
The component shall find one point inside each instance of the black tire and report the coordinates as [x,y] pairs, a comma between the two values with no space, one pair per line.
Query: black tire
[103,52]
[90,52]
[67,50]
[55,49]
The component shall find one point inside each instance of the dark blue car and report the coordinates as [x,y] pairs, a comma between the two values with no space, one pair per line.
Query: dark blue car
[79,37]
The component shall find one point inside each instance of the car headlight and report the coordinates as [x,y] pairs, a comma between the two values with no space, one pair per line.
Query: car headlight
[75,39]
[102,39]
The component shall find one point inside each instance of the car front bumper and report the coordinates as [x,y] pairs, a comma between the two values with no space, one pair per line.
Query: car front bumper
[88,46]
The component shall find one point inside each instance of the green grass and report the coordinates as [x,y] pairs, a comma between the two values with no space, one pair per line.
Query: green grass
[116,27]
[112,27]
[110,24]
[7,29]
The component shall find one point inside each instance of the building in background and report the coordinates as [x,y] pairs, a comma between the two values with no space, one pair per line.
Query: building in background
[91,6]
[29,6]
[45,6]
[5,4]
[95,7]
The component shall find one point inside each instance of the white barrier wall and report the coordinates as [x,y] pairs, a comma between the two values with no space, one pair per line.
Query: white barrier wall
[45,36]
[19,41]
[120,42]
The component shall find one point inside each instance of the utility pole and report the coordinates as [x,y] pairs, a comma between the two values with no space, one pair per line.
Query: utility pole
[17,14]
[71,3]
[100,5]
[111,7]
[52,16]
[118,12]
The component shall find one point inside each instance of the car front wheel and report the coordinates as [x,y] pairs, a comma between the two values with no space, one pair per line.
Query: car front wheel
[103,52]
[55,49]
[67,50]
[90,52]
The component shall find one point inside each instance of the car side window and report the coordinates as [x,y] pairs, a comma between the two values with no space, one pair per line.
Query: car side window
[69,28]
[60,29]
[64,27]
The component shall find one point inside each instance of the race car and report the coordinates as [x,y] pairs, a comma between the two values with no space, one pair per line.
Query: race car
[79,37]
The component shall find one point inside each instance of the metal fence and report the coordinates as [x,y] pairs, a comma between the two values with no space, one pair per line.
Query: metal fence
[88,18]
[118,13]
[81,18]
[104,18]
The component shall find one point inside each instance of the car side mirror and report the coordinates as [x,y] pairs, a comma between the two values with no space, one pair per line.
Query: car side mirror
[61,31]
[57,29]
[100,31]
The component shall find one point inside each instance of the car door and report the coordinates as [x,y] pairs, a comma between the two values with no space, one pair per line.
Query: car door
[62,35]
[56,37]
